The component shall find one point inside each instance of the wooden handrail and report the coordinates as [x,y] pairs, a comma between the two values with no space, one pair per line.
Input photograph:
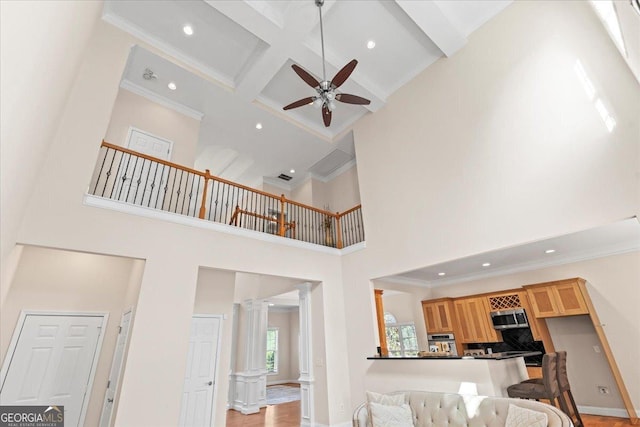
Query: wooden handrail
[151,158]
[186,169]
[207,176]
[355,208]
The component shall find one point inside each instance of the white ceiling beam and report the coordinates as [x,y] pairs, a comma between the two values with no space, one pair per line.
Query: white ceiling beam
[285,36]
[430,19]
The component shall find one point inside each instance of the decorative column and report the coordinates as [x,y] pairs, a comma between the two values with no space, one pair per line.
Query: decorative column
[234,356]
[306,361]
[382,331]
[251,381]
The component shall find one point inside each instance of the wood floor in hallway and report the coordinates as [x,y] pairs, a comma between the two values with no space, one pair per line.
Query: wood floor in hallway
[282,415]
[288,415]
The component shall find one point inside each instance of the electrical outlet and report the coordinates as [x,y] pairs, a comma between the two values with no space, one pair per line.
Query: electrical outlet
[603,390]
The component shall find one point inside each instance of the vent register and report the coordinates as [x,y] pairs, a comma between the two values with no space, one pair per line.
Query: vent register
[324,167]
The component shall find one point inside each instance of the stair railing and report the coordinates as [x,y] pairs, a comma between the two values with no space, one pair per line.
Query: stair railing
[131,177]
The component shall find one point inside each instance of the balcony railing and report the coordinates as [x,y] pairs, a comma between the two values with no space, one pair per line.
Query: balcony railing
[135,178]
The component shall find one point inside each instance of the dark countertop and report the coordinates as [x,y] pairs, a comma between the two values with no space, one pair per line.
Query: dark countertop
[494,356]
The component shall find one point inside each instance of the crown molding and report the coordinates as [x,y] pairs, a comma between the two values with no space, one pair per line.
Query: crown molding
[159,99]
[530,266]
[134,30]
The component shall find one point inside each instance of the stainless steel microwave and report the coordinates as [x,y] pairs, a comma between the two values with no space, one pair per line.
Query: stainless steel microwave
[508,319]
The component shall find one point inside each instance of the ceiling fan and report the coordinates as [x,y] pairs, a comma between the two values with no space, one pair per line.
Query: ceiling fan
[326,90]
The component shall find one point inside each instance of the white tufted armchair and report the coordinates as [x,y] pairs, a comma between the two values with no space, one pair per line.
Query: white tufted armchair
[433,409]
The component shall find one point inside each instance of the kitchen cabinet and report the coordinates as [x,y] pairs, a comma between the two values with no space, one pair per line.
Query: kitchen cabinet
[474,322]
[556,299]
[437,315]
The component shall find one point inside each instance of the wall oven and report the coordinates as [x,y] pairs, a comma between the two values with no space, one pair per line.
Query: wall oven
[508,319]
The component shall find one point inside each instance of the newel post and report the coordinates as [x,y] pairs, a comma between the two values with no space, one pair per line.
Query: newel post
[281,218]
[203,204]
[339,230]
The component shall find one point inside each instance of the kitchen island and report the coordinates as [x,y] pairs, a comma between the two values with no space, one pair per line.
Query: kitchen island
[486,375]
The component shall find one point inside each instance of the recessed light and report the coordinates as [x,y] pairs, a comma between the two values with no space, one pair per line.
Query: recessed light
[371,44]
[271,304]
[549,251]
[292,171]
[258,125]
[441,274]
[486,264]
[188,30]
[172,86]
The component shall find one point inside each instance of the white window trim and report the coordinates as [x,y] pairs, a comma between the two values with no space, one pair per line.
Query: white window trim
[277,350]
[399,326]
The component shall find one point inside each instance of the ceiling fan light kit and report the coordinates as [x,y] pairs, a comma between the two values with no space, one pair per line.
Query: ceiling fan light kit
[325,89]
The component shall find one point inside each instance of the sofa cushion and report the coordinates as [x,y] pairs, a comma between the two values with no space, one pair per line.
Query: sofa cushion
[523,417]
[396,399]
[435,409]
[390,415]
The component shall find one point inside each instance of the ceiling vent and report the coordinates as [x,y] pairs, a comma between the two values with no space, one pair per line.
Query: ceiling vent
[285,177]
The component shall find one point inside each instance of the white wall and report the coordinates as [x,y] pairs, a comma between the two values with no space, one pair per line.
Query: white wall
[173,253]
[344,190]
[42,44]
[62,281]
[137,111]
[497,146]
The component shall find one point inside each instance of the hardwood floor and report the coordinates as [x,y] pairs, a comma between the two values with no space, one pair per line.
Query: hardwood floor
[288,415]
[597,421]
[283,415]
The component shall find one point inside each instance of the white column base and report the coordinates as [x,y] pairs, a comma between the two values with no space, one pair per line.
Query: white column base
[250,392]
[306,401]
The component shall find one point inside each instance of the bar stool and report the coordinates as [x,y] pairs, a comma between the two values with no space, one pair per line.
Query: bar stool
[548,389]
[564,387]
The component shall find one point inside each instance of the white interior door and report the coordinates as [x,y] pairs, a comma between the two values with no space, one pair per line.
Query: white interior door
[116,369]
[52,363]
[199,382]
[141,181]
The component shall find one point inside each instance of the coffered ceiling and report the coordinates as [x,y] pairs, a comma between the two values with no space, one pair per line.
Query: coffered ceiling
[243,52]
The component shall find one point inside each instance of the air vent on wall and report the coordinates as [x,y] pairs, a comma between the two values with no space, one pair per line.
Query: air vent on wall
[284,177]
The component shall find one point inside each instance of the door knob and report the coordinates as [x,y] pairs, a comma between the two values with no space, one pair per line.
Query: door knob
[110,400]
[210,383]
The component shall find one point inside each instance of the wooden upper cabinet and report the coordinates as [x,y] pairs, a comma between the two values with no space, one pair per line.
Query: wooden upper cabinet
[466,333]
[555,299]
[474,320]
[437,315]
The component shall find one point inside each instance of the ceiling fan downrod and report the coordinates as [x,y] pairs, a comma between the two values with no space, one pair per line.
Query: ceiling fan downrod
[325,89]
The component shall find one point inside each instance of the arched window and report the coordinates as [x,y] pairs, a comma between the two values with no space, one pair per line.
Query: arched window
[389,319]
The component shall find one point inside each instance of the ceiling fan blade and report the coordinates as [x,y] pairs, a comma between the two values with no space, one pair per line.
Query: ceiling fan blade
[344,74]
[304,75]
[352,99]
[300,103]
[326,116]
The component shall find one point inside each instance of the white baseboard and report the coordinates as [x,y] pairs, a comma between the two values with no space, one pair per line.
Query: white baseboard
[605,412]
[282,382]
